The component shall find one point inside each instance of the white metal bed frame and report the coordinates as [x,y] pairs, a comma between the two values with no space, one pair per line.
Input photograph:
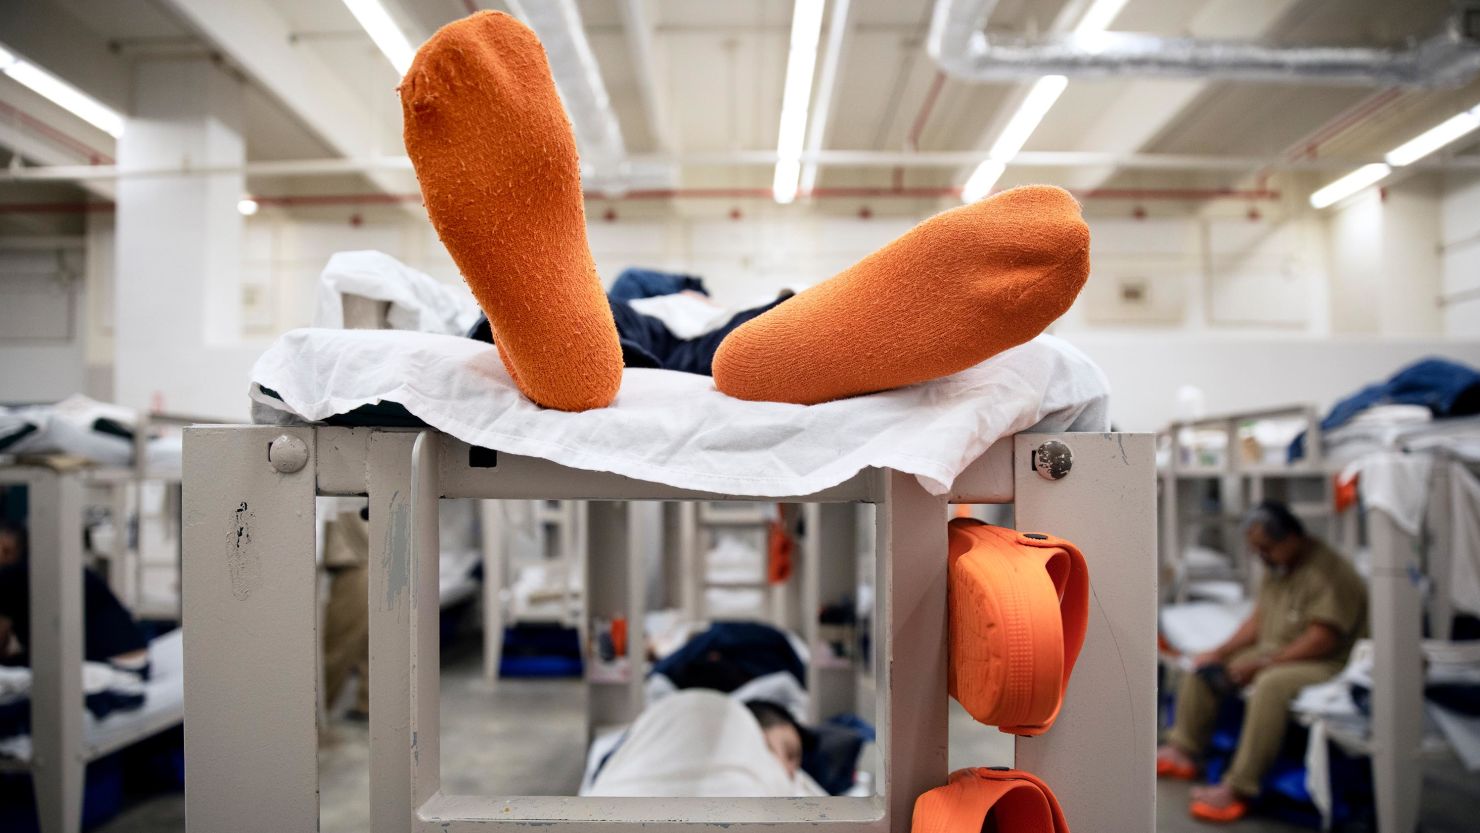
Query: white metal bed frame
[60,751]
[250,638]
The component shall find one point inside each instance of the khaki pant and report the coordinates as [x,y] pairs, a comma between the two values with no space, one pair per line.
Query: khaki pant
[1266,710]
[347,613]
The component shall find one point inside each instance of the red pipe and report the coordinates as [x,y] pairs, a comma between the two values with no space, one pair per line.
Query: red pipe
[1187,194]
[94,157]
[912,139]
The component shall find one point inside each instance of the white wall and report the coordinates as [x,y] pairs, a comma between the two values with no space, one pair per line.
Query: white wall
[1460,254]
[42,320]
[1242,372]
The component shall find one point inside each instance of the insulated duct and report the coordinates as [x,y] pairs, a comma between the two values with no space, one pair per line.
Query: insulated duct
[578,77]
[960,47]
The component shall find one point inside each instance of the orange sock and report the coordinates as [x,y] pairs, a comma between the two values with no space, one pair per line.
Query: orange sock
[1013,800]
[497,163]
[1019,607]
[954,291]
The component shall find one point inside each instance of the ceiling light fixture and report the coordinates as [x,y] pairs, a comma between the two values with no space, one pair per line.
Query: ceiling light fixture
[382,29]
[246,206]
[1434,138]
[806,30]
[1035,106]
[62,94]
[1349,184]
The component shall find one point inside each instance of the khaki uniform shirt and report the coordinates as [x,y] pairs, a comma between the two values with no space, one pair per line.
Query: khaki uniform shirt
[1322,587]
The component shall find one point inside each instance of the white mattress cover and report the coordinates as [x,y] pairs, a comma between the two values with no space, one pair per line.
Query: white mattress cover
[677,428]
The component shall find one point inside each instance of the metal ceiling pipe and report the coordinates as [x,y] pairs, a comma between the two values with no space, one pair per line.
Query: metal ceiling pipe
[578,78]
[959,45]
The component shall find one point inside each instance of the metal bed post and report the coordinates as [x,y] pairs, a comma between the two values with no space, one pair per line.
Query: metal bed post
[1397,674]
[495,564]
[1098,755]
[829,572]
[58,765]
[251,627]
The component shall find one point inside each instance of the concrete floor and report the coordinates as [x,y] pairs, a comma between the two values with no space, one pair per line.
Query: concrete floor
[529,738]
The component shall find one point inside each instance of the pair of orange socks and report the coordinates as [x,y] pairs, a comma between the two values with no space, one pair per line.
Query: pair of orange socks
[497,164]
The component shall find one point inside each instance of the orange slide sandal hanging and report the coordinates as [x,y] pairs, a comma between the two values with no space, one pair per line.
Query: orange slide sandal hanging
[1019,606]
[1015,801]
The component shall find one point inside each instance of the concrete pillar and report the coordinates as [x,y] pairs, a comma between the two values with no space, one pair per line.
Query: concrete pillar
[177,289]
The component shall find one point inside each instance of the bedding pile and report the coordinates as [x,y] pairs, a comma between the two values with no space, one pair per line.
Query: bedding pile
[676,428]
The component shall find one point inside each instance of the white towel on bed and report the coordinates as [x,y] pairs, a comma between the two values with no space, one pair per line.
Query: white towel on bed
[676,428]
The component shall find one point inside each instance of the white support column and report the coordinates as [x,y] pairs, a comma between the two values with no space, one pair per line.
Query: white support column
[177,292]
[58,767]
[251,630]
[610,593]
[912,700]
[495,559]
[1397,675]
[1097,757]
[829,574]
[392,807]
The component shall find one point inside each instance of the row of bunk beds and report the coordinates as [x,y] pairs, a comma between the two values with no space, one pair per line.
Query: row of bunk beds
[1392,485]
[94,486]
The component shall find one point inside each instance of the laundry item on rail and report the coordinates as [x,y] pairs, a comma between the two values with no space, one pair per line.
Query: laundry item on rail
[1009,799]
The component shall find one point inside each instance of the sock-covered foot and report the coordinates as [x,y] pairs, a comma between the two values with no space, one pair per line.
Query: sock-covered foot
[497,163]
[950,293]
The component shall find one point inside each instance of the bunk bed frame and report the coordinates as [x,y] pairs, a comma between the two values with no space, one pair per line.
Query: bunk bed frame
[251,678]
[60,749]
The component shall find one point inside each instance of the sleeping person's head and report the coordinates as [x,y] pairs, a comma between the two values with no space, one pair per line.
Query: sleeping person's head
[783,733]
[13,543]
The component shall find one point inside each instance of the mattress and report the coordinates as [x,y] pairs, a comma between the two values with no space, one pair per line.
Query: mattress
[677,428]
[164,707]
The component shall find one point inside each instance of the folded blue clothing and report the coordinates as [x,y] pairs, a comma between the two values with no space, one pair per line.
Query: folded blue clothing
[1446,388]
[106,690]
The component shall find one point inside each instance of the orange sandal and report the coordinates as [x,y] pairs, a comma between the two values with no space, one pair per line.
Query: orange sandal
[1014,800]
[1175,771]
[1203,811]
[1018,607]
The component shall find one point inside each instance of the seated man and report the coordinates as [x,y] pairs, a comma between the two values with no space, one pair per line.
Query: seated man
[1311,607]
[111,635]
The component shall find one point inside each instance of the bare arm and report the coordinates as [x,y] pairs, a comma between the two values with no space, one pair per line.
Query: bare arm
[1317,641]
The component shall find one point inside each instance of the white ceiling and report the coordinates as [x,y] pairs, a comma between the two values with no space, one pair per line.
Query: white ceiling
[720,68]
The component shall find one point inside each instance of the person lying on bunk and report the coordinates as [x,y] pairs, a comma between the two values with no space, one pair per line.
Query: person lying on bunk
[700,742]
[1310,609]
[111,635]
[648,340]
[496,160]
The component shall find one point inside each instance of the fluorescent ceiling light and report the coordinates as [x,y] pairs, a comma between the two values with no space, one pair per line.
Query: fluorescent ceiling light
[1349,184]
[1099,16]
[806,29]
[246,206]
[377,23]
[62,94]
[1030,113]
[982,179]
[817,121]
[1039,100]
[1434,138]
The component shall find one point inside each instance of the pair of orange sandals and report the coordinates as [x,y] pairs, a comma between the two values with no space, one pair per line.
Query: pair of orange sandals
[1019,607]
[1201,810]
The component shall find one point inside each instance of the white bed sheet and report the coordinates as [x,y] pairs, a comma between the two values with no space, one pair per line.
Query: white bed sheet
[677,428]
[164,707]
